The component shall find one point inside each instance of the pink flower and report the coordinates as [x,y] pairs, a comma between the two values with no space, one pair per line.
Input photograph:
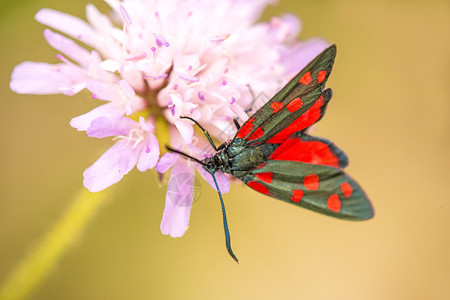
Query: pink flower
[137,146]
[159,60]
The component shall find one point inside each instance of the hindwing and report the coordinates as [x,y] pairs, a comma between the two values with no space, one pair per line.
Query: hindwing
[320,188]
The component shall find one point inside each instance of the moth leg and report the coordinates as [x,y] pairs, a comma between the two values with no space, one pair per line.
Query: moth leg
[235,121]
[206,133]
[253,97]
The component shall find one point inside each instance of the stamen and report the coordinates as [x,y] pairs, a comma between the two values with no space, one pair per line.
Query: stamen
[160,41]
[188,77]
[137,57]
[139,137]
[201,68]
[224,82]
[171,107]
[219,38]
[125,15]
[63,59]
[155,77]
[201,95]
[153,52]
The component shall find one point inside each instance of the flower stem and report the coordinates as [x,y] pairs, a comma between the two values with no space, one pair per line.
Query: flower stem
[36,267]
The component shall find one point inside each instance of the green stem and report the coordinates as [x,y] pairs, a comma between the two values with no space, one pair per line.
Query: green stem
[36,267]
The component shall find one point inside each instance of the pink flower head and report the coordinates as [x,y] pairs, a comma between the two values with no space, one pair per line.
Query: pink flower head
[159,60]
[137,146]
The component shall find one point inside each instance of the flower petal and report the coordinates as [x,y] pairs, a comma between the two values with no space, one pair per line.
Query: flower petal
[166,162]
[107,126]
[186,130]
[69,25]
[121,93]
[177,210]
[68,47]
[111,110]
[111,166]
[43,79]
[104,90]
[149,154]
[221,178]
[298,56]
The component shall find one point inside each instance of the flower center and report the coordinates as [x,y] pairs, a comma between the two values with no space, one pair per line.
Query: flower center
[136,135]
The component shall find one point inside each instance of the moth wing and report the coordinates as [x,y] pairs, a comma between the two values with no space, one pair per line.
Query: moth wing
[309,149]
[292,101]
[324,189]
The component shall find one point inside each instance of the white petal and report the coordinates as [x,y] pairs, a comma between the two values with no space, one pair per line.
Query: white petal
[111,166]
[186,130]
[111,110]
[179,196]
[68,47]
[41,78]
[103,90]
[69,25]
[149,154]
[108,126]
[72,90]
[166,162]
[110,65]
[237,109]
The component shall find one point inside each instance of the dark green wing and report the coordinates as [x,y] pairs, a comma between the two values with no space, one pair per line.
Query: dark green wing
[324,189]
[305,92]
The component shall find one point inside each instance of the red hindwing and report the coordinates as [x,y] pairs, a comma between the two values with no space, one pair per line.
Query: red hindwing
[308,149]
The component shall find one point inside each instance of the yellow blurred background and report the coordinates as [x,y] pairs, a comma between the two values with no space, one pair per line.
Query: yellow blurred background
[390,113]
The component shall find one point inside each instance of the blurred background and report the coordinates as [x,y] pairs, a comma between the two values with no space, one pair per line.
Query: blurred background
[390,113]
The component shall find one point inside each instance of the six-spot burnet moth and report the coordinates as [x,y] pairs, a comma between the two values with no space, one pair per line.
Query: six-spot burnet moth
[272,153]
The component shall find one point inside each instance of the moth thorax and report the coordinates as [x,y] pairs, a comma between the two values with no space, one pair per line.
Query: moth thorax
[219,161]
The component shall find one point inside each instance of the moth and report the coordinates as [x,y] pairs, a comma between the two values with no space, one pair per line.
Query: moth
[273,154]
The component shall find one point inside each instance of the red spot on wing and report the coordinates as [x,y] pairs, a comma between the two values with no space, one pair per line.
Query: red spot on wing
[297,195]
[303,121]
[258,133]
[258,187]
[306,78]
[321,76]
[334,203]
[261,166]
[276,106]
[266,176]
[245,129]
[311,182]
[314,152]
[294,104]
[346,189]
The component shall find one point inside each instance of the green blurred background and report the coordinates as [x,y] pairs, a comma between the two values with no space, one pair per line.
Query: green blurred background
[390,113]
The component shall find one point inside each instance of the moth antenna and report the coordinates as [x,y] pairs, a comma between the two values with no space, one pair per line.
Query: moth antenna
[186,155]
[225,223]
